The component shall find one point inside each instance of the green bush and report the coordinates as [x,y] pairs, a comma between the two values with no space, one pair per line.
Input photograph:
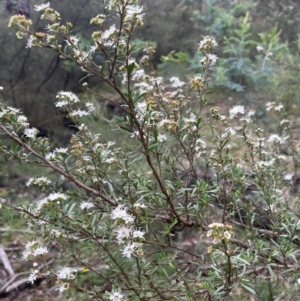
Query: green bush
[198,204]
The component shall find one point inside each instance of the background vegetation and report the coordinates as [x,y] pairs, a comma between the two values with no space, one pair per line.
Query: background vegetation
[244,75]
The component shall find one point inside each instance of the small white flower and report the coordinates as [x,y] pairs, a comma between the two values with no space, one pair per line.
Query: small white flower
[40,251]
[210,59]
[139,205]
[207,44]
[128,218]
[279,107]
[118,212]
[161,137]
[191,120]
[209,233]
[270,106]
[288,177]
[56,196]
[13,109]
[138,234]
[41,6]
[30,244]
[90,106]
[41,181]
[123,232]
[29,182]
[216,240]
[73,40]
[30,133]
[61,104]
[33,275]
[61,150]
[260,49]
[26,254]
[236,111]
[132,10]
[269,54]
[30,41]
[227,235]
[1,88]
[276,139]
[129,250]
[285,122]
[22,120]
[66,273]
[79,113]
[138,74]
[176,82]
[63,286]
[55,233]
[116,295]
[86,205]
[67,96]
[107,33]
[265,163]
[50,156]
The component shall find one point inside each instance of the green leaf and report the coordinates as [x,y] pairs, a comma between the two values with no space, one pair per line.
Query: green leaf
[152,147]
[249,289]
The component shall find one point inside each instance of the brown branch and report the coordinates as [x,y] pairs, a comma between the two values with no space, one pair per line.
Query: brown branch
[59,170]
[7,266]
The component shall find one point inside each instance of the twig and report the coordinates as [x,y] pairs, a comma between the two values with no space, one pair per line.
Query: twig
[16,230]
[6,263]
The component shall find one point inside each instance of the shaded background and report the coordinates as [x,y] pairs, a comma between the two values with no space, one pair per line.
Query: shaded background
[32,77]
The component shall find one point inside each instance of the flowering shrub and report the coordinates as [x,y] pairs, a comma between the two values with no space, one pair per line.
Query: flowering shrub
[196,206]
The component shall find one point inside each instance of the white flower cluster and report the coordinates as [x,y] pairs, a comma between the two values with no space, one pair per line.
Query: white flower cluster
[56,153]
[42,7]
[31,41]
[127,234]
[79,113]
[276,139]
[98,20]
[55,196]
[86,205]
[176,82]
[219,232]
[115,295]
[190,122]
[66,98]
[133,11]
[209,59]
[31,133]
[33,250]
[90,106]
[65,273]
[120,212]
[105,38]
[33,275]
[207,44]
[200,147]
[236,111]
[272,106]
[22,120]
[72,41]
[40,181]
